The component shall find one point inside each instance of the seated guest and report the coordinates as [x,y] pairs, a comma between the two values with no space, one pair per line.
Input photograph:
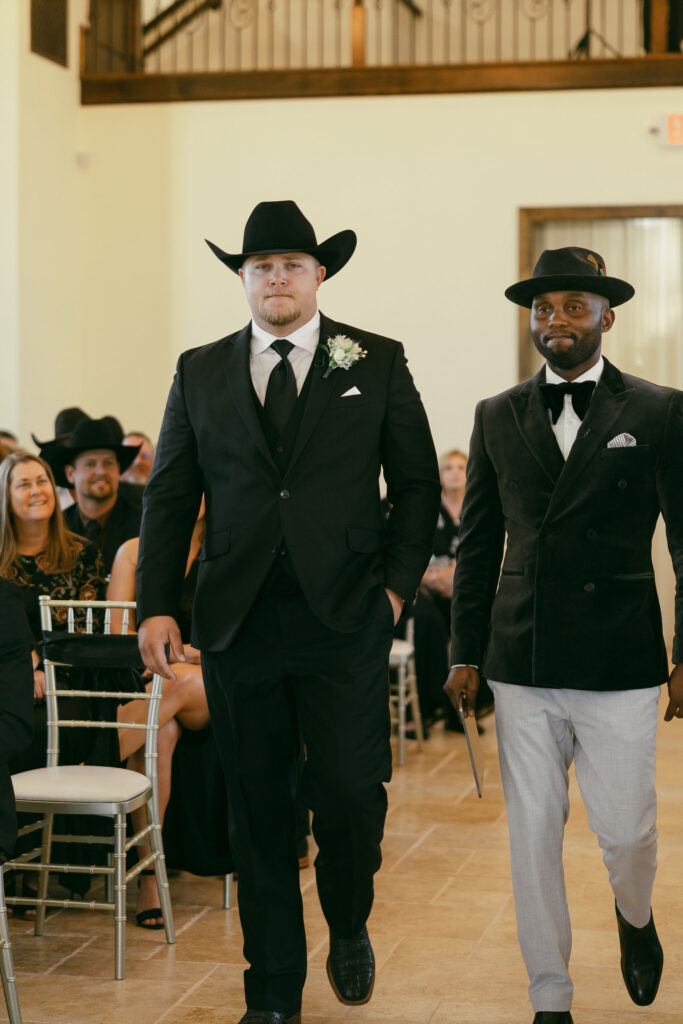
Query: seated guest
[39,554]
[65,421]
[92,462]
[438,577]
[141,466]
[188,689]
[8,440]
[16,703]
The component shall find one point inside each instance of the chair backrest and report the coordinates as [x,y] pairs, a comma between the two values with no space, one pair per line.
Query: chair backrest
[85,641]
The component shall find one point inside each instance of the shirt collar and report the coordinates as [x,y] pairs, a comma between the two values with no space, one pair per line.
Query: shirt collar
[594,373]
[306,337]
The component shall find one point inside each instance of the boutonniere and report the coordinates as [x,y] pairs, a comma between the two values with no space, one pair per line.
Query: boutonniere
[343,352]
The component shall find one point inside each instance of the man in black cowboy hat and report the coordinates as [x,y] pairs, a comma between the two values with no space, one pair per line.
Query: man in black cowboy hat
[91,463]
[567,475]
[284,426]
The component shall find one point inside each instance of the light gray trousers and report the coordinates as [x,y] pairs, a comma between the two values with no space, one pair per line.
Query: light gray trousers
[611,736]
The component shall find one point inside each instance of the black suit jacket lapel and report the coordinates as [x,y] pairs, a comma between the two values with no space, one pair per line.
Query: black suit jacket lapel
[608,402]
[236,358]
[321,389]
[533,422]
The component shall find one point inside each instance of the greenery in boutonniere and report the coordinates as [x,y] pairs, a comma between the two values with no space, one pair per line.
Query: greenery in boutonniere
[343,353]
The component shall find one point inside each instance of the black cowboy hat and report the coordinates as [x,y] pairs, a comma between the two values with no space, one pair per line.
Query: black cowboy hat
[65,421]
[281,227]
[570,269]
[88,435]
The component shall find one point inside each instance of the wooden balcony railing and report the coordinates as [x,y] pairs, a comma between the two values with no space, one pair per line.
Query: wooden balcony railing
[146,50]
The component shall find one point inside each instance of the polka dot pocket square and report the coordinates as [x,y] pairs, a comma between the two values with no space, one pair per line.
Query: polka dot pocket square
[622,441]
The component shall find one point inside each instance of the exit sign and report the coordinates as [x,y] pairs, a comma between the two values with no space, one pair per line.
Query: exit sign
[674,129]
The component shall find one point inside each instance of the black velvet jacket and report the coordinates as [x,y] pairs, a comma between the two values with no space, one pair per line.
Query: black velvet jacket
[573,602]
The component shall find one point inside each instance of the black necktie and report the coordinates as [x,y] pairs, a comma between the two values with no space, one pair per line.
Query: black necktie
[93,531]
[581,393]
[281,391]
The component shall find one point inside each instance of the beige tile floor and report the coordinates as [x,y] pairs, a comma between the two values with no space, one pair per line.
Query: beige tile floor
[443,926]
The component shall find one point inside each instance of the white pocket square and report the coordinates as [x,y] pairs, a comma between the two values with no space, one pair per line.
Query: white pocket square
[622,441]
[351,391]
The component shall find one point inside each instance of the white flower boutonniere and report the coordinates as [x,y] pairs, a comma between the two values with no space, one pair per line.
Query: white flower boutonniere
[343,353]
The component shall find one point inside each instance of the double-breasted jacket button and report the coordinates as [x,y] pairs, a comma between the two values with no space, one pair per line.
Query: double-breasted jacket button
[513,485]
[621,484]
[284,495]
[591,534]
[589,587]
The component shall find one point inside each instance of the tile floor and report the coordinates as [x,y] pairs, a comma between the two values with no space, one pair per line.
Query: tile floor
[443,926]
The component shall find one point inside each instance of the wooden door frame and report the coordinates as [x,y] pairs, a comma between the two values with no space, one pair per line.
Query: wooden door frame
[530,217]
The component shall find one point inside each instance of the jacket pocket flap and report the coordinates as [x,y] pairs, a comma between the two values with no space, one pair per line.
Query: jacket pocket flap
[365,539]
[636,451]
[215,544]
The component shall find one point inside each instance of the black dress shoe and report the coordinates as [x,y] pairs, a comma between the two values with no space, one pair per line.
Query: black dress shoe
[553,1017]
[269,1017]
[351,968]
[642,959]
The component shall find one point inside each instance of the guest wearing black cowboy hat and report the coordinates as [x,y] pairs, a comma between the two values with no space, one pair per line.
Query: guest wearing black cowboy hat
[567,475]
[65,422]
[91,462]
[285,425]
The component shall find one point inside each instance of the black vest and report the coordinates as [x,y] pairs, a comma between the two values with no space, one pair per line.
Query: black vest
[282,575]
[282,445]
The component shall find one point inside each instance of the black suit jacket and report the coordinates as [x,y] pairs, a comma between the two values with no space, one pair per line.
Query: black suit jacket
[325,506]
[16,701]
[122,524]
[575,604]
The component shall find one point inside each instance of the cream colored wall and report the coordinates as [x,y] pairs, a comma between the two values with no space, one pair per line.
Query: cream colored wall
[115,279]
[48,249]
[9,221]
[431,184]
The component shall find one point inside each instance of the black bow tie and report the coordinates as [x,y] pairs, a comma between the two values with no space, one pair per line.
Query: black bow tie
[581,393]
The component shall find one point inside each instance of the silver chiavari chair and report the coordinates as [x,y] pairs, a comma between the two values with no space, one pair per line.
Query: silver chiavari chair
[9,984]
[403,690]
[92,789]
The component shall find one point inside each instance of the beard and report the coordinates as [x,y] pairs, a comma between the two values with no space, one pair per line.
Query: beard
[585,345]
[278,317]
[100,491]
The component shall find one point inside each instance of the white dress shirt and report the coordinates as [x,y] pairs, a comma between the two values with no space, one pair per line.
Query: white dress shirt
[264,359]
[568,423]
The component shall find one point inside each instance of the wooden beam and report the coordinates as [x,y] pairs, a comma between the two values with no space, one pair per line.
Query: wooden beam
[169,11]
[358,34]
[659,26]
[187,19]
[413,7]
[134,48]
[632,72]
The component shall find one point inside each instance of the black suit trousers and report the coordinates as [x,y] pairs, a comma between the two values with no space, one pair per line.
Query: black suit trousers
[288,679]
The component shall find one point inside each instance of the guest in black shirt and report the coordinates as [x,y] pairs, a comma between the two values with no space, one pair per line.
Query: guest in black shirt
[91,463]
[438,578]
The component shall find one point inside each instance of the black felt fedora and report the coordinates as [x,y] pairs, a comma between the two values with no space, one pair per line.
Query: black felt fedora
[570,269]
[88,435]
[281,227]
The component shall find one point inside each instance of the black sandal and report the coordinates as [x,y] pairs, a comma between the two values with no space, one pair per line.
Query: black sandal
[148,915]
